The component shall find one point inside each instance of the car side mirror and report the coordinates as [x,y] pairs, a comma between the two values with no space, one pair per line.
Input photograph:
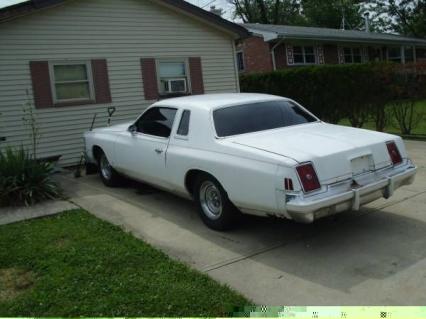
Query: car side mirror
[133,129]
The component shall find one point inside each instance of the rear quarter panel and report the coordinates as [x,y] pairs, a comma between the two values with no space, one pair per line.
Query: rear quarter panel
[250,183]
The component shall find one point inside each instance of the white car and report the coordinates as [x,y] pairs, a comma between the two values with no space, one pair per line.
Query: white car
[252,153]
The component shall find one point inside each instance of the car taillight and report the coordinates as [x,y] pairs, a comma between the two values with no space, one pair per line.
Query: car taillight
[394,153]
[308,177]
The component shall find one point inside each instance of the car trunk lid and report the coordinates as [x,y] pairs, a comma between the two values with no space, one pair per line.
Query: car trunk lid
[337,152]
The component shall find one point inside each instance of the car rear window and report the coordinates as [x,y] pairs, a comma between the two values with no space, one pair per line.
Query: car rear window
[255,117]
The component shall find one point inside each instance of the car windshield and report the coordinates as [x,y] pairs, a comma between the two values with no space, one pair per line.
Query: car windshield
[262,116]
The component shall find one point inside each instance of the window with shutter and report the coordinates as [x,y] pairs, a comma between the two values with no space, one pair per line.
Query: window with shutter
[300,55]
[395,54]
[171,77]
[352,55]
[240,61]
[70,83]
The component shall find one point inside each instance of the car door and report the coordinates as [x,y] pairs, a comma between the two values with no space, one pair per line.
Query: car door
[143,153]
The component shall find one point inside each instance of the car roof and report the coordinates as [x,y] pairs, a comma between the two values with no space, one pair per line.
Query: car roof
[213,101]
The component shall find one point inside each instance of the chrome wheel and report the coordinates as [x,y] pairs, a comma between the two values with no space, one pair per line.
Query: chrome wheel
[106,169]
[211,200]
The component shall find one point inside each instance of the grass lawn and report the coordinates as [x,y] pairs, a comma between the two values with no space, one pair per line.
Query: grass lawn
[419,131]
[74,265]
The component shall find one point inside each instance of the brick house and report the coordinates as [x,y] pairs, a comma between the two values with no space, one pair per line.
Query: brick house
[273,47]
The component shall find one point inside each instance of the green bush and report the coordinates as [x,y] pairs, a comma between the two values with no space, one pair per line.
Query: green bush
[356,92]
[25,181]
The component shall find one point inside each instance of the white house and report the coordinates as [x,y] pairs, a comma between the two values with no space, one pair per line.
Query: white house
[70,59]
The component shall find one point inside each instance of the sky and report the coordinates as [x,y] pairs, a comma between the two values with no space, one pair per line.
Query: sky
[201,3]
[5,3]
[224,4]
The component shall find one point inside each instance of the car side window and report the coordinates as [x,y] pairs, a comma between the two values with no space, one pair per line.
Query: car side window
[183,129]
[157,121]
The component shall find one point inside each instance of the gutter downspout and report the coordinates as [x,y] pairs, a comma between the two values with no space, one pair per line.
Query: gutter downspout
[274,64]
[236,72]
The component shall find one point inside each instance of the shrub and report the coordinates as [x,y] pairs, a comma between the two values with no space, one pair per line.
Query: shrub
[405,115]
[408,86]
[356,92]
[25,181]
[332,92]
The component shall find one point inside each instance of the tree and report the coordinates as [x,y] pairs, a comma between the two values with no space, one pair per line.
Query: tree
[316,13]
[407,17]
[269,11]
[337,14]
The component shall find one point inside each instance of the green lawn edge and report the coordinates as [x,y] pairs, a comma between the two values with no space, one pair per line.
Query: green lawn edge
[74,264]
[418,133]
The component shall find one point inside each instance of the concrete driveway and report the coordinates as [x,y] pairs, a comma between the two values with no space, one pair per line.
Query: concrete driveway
[376,256]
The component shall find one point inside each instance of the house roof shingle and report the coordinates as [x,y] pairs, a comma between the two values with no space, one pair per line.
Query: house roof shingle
[327,34]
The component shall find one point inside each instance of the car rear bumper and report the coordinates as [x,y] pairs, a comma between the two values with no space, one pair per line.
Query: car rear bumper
[307,210]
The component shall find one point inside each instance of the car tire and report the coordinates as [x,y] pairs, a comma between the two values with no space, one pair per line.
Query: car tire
[108,174]
[214,206]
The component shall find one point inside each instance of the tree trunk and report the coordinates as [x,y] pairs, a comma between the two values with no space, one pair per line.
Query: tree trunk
[263,11]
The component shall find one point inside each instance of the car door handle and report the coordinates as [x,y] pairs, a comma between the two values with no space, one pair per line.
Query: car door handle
[159,150]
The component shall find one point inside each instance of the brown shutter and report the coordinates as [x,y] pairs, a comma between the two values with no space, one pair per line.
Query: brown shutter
[290,54]
[101,81]
[149,78]
[196,73]
[319,54]
[341,55]
[41,84]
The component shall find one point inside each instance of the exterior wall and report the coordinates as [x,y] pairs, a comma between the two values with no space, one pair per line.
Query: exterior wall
[331,55]
[122,32]
[421,55]
[280,56]
[257,57]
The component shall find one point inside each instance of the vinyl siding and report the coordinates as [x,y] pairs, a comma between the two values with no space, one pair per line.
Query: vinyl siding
[122,32]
